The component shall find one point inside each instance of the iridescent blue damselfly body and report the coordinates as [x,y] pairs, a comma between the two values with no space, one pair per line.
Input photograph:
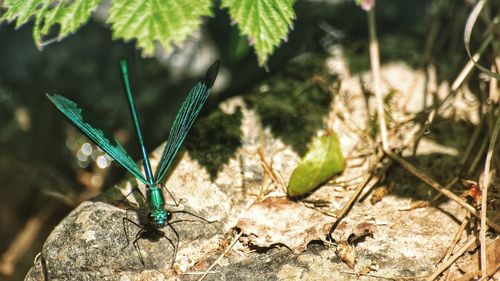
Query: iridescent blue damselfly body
[157,216]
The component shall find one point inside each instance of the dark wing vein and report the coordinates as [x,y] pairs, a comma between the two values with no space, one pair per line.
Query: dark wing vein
[184,119]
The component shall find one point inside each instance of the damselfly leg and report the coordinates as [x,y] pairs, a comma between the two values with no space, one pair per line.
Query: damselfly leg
[148,232]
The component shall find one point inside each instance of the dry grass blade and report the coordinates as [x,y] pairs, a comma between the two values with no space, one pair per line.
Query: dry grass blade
[269,170]
[220,257]
[472,241]
[456,239]
[484,200]
[375,65]
[468,31]
[384,277]
[369,180]
[432,183]
[472,143]
[465,71]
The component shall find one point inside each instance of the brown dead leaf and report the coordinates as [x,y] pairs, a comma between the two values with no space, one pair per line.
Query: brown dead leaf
[369,268]
[415,205]
[378,194]
[470,265]
[346,253]
[277,220]
[346,233]
[349,232]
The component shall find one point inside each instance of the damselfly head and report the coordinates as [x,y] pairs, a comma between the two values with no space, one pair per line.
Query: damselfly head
[159,218]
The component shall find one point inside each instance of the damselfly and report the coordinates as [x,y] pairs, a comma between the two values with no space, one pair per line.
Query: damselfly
[157,216]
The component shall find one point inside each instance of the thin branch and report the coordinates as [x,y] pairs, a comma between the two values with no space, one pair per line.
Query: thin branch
[369,180]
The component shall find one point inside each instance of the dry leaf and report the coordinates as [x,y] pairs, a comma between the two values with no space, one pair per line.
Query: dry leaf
[277,220]
[369,268]
[378,194]
[349,232]
[346,233]
[415,205]
[471,265]
[346,253]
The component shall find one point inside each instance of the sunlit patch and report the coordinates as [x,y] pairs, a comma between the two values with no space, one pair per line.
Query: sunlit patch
[23,118]
[70,143]
[95,154]
[86,149]
[264,88]
[96,181]
[81,156]
[102,162]
[83,164]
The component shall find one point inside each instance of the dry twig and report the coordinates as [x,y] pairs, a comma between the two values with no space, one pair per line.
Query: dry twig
[432,183]
[221,256]
[471,242]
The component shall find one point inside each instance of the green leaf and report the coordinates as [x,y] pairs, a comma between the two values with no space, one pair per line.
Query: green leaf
[69,15]
[265,22]
[322,161]
[22,10]
[164,21]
